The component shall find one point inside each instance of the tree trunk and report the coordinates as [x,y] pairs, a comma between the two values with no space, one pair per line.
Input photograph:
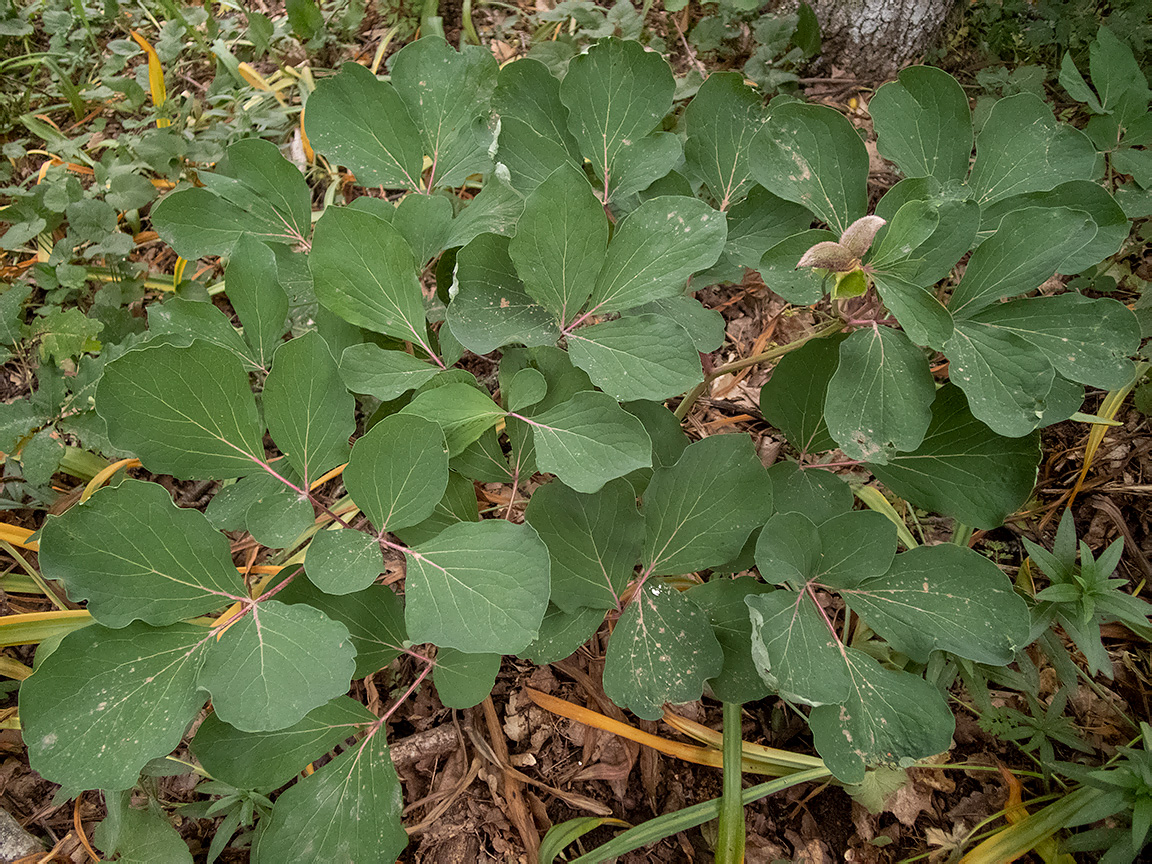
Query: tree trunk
[875,39]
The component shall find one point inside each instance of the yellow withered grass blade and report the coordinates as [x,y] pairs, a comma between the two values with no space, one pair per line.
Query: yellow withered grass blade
[30,628]
[155,77]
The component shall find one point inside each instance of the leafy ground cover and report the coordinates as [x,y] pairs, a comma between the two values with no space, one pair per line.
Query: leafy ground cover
[458,277]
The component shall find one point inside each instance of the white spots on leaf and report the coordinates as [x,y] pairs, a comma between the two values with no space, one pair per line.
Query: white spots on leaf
[48,741]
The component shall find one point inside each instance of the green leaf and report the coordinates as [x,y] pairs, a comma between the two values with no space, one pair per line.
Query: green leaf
[398,470]
[761,221]
[463,680]
[889,718]
[803,286]
[560,243]
[387,375]
[188,412]
[794,650]
[923,124]
[723,601]
[374,618]
[616,93]
[637,357]
[146,836]
[40,457]
[463,412]
[135,556]
[788,549]
[480,587]
[309,413]
[562,633]
[12,312]
[1114,69]
[534,137]
[700,511]
[496,209]
[490,307]
[448,94]
[819,495]
[1075,85]
[426,223]
[458,505]
[363,270]
[183,321]
[963,469]
[705,326]
[721,121]
[255,293]
[923,317]
[277,515]
[256,760]
[483,460]
[655,249]
[360,122]
[593,540]
[1024,252]
[349,810]
[944,598]
[793,398]
[1022,148]
[1111,223]
[275,665]
[305,18]
[879,399]
[66,333]
[588,441]
[105,702]
[662,650]
[343,561]
[1088,340]
[853,547]
[812,156]
[1004,377]
[639,164]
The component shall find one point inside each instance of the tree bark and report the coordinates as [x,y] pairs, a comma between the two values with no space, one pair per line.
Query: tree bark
[875,39]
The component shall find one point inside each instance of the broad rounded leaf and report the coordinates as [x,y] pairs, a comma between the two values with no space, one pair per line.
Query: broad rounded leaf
[654,250]
[490,307]
[1022,148]
[923,124]
[721,121]
[589,440]
[136,556]
[398,471]
[480,587]
[662,650]
[812,156]
[463,680]
[637,357]
[794,649]
[963,469]
[310,415]
[562,633]
[778,268]
[188,412]
[759,222]
[793,398]
[363,270]
[448,93]
[255,293]
[700,511]
[534,137]
[254,760]
[105,702]
[945,598]
[275,665]
[723,601]
[367,368]
[349,810]
[593,540]
[890,718]
[360,122]
[879,399]
[463,412]
[616,93]
[560,243]
[343,561]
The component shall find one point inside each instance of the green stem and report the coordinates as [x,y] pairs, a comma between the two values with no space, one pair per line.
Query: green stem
[962,534]
[764,356]
[466,22]
[730,842]
[657,829]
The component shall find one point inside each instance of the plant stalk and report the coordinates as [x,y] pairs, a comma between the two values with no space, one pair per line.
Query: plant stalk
[730,840]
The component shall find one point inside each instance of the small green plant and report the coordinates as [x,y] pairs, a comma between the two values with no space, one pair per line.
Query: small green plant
[566,274]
